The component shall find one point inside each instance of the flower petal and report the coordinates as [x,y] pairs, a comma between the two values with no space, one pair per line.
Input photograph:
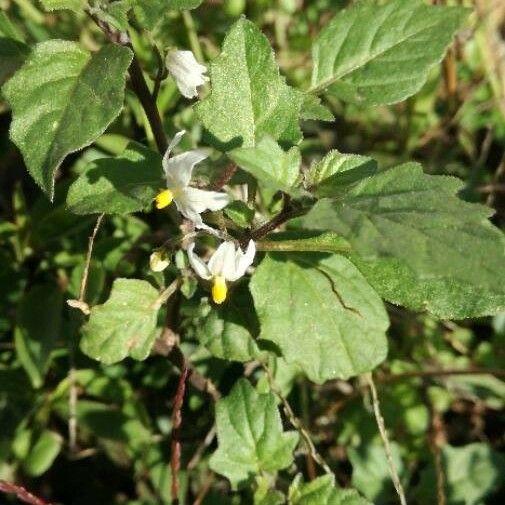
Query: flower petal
[197,264]
[173,143]
[200,200]
[186,71]
[243,260]
[179,168]
[222,261]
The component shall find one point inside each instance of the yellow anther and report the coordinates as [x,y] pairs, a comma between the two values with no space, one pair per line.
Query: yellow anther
[164,199]
[219,289]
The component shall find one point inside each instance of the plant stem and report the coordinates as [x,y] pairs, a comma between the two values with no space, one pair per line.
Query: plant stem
[192,35]
[138,82]
[175,446]
[383,433]
[21,493]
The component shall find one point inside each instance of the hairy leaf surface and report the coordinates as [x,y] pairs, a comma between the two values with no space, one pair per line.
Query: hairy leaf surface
[250,435]
[322,314]
[371,54]
[62,99]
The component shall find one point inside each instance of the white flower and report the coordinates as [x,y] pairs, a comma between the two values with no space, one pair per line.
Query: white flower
[228,263]
[186,71]
[190,202]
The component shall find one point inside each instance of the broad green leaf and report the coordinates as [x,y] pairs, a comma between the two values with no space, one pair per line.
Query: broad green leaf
[268,497]
[43,453]
[116,14]
[270,164]
[62,99]
[418,244]
[250,435]
[249,99]
[74,5]
[125,325]
[336,172]
[119,185]
[322,491]
[228,330]
[370,470]
[38,328]
[13,53]
[472,472]
[321,313]
[380,54]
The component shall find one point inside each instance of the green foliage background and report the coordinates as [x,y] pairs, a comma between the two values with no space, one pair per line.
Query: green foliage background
[454,125]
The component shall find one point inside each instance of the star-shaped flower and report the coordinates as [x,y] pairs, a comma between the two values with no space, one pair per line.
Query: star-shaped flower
[227,264]
[190,202]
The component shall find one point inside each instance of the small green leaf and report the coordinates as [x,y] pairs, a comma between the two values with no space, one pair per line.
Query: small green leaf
[74,5]
[150,12]
[125,325]
[38,328]
[418,244]
[322,491]
[250,436]
[249,98]
[228,330]
[337,172]
[321,313]
[270,164]
[119,185]
[239,213]
[268,497]
[43,453]
[380,54]
[472,472]
[13,53]
[62,99]
[370,470]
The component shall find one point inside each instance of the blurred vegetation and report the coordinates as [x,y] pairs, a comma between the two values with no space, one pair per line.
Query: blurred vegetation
[455,125]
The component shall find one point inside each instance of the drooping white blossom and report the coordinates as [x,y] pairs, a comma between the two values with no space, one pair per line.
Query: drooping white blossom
[227,264]
[190,202]
[186,71]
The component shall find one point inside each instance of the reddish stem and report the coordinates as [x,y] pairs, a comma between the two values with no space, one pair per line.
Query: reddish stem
[175,448]
[21,493]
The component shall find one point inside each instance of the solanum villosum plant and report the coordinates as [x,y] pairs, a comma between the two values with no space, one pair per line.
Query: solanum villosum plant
[261,253]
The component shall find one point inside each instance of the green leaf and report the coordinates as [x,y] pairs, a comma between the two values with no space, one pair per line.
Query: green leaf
[380,54]
[471,473]
[13,53]
[74,5]
[321,313]
[418,244]
[250,436]
[370,470]
[62,99]
[337,172]
[268,497]
[270,164]
[249,98]
[38,328]
[43,453]
[125,325]
[228,330]
[322,491]
[119,185]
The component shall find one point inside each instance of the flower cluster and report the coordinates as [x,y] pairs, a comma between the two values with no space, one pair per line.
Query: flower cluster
[229,262]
